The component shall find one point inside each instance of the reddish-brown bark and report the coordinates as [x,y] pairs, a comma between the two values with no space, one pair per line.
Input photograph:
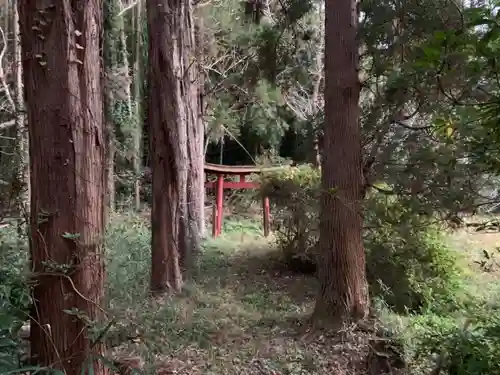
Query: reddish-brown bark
[61,43]
[343,294]
[171,112]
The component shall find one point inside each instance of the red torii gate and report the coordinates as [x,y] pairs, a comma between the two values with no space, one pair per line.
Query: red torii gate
[221,171]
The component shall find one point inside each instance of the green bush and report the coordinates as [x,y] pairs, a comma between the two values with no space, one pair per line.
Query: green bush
[15,298]
[469,347]
[407,261]
[128,270]
[408,264]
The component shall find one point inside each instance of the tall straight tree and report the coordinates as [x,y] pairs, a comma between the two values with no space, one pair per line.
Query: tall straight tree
[61,43]
[21,131]
[118,94]
[172,110]
[111,50]
[138,83]
[196,152]
[343,292]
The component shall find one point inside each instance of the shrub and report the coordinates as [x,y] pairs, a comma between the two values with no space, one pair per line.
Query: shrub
[128,250]
[408,263]
[294,196]
[15,299]
[470,347]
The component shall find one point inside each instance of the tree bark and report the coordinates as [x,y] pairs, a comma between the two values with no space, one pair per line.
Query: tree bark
[61,45]
[22,154]
[110,154]
[195,137]
[169,116]
[7,19]
[111,42]
[343,294]
[137,98]
[315,99]
[125,65]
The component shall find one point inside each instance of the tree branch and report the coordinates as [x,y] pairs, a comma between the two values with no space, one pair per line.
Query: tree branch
[128,7]
[3,82]
[409,127]
[7,124]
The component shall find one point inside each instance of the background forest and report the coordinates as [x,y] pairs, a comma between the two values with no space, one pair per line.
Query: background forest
[261,93]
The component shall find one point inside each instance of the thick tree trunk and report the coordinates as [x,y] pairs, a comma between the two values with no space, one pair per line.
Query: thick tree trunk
[169,24]
[343,294]
[62,76]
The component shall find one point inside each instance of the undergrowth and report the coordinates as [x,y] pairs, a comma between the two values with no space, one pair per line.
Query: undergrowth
[15,298]
[239,314]
[425,291]
[408,263]
[244,312]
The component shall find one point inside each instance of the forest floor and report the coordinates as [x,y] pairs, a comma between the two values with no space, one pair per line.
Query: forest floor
[242,313]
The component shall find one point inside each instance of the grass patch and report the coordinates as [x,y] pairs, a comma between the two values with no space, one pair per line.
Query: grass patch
[245,313]
[242,314]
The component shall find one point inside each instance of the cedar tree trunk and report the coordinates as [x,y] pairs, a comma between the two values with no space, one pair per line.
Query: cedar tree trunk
[170,92]
[343,292]
[62,75]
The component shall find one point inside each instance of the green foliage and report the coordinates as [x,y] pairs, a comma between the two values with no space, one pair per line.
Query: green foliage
[469,347]
[267,101]
[418,106]
[294,194]
[422,267]
[15,299]
[121,121]
[260,85]
[408,264]
[129,269]
[466,62]
[250,70]
[111,25]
